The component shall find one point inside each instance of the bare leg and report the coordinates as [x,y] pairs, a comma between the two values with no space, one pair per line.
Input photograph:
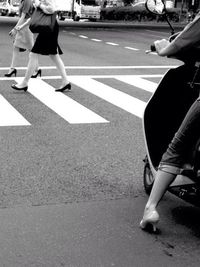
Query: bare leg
[61,68]
[161,183]
[15,57]
[32,65]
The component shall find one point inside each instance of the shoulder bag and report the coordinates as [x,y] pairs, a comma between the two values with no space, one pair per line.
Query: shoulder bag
[42,22]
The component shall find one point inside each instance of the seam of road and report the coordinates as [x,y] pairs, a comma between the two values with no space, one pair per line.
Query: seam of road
[107,43]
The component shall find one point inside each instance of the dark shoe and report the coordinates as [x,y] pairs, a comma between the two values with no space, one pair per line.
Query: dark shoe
[19,89]
[39,72]
[66,87]
[12,71]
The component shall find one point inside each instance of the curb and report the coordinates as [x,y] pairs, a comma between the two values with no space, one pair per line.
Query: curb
[105,24]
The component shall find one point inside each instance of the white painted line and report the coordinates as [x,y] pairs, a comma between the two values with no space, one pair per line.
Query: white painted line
[83,36]
[91,76]
[111,95]
[114,44]
[9,116]
[102,76]
[139,82]
[131,48]
[64,106]
[99,67]
[96,40]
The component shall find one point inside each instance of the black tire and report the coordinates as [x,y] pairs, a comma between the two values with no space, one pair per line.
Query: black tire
[148,178]
[76,18]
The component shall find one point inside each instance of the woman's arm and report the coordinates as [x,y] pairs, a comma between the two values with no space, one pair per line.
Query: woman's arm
[20,22]
[189,37]
[21,26]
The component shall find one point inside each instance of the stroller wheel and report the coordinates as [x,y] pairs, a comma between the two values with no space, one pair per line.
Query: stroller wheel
[148,178]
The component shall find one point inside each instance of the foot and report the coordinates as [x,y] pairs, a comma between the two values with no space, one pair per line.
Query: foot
[64,88]
[12,71]
[19,87]
[37,73]
[150,220]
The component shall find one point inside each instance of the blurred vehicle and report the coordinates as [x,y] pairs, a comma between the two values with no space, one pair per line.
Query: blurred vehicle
[141,3]
[78,9]
[9,7]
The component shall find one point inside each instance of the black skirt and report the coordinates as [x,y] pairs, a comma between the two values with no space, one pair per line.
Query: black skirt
[47,43]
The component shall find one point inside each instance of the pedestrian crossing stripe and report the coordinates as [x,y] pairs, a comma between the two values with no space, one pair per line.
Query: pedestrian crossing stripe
[139,82]
[74,112]
[111,95]
[9,116]
[64,106]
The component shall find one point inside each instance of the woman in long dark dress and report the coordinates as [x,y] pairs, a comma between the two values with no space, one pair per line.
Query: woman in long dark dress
[45,44]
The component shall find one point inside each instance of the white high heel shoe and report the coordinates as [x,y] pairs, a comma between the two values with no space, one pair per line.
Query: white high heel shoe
[150,219]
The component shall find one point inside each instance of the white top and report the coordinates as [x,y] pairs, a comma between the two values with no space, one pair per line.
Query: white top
[48,6]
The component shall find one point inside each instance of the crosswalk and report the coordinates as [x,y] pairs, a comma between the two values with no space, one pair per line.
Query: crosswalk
[71,110]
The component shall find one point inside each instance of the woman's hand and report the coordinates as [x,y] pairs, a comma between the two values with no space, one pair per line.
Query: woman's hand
[13,32]
[18,28]
[160,45]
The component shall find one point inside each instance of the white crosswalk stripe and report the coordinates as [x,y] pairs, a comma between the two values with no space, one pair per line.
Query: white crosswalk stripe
[9,116]
[63,105]
[139,82]
[74,112]
[113,96]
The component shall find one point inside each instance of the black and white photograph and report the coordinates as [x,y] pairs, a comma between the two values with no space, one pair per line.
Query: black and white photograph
[99,133]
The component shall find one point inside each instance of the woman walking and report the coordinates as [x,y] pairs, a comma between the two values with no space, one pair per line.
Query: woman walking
[45,44]
[23,38]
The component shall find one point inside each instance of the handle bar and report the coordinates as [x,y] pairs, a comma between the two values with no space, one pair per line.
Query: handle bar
[152,49]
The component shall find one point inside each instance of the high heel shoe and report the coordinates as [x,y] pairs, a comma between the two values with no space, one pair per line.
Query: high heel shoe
[19,89]
[13,71]
[66,87]
[150,221]
[38,73]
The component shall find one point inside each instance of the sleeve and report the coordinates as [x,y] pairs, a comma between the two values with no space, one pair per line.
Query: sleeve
[26,6]
[189,37]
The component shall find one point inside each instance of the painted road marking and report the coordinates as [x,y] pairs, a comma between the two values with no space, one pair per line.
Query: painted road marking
[83,36]
[139,82]
[64,106]
[110,43]
[131,48]
[95,68]
[96,40]
[111,95]
[74,112]
[9,116]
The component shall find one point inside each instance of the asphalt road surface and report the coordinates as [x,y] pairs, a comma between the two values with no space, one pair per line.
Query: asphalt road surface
[71,191]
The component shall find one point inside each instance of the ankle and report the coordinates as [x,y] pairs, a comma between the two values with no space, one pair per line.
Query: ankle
[150,207]
[64,82]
